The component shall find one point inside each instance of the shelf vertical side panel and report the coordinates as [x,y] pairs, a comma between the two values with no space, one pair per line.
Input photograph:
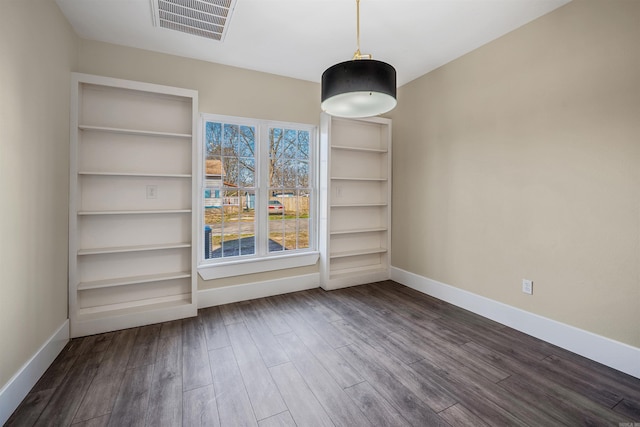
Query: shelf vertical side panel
[74,135]
[388,154]
[325,197]
[197,204]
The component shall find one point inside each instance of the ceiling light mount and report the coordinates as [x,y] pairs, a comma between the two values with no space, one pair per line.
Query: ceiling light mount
[361,87]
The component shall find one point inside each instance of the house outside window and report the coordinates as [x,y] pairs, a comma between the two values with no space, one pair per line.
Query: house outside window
[259,195]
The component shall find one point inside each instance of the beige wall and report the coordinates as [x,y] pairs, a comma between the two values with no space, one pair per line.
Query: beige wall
[522,160]
[37,54]
[221,90]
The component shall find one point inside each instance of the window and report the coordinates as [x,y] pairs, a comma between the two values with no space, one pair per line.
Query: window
[258,193]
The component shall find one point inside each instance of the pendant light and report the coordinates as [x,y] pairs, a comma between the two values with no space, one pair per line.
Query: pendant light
[361,87]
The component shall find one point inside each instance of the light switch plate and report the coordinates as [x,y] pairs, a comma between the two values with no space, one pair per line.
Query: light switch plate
[152,191]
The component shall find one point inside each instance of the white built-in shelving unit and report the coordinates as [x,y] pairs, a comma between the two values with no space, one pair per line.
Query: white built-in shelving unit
[355,200]
[131,226]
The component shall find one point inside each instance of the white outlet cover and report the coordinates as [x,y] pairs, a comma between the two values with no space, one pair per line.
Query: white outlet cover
[527,286]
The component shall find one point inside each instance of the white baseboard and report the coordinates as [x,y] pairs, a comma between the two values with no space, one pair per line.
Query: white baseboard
[614,354]
[23,381]
[266,288]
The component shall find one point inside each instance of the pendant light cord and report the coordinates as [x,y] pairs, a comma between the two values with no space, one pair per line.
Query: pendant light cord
[357,54]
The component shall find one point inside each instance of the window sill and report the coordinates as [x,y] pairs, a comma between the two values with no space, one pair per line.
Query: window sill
[257,265]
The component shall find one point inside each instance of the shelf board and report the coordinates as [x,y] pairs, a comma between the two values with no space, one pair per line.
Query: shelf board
[138,248]
[132,212]
[357,205]
[131,280]
[358,230]
[349,148]
[345,178]
[357,271]
[357,252]
[135,174]
[134,131]
[133,307]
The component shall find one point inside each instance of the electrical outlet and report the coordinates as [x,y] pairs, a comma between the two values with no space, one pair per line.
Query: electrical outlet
[527,286]
[152,191]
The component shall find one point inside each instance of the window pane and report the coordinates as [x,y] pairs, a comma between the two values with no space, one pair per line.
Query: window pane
[303,145]
[230,141]
[302,174]
[289,174]
[276,233]
[303,233]
[290,146]
[212,231]
[230,171]
[276,173]
[303,219]
[247,142]
[248,243]
[213,181]
[213,138]
[275,143]
[247,172]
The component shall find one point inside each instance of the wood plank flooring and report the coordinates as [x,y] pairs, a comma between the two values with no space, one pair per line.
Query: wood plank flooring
[373,355]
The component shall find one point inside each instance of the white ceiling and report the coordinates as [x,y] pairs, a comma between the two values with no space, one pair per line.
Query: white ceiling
[301,38]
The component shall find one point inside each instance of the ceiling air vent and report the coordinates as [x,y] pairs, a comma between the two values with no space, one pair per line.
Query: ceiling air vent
[204,18]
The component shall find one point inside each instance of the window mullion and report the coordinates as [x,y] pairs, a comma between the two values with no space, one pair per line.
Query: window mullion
[262,190]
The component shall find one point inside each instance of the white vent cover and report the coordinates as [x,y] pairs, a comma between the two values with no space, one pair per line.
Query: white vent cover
[204,18]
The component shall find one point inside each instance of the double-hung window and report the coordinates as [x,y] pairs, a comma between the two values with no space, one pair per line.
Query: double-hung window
[258,196]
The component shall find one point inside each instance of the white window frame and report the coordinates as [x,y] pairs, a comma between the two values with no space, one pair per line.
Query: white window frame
[262,260]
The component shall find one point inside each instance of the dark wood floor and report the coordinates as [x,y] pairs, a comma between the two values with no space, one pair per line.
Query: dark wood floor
[373,355]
